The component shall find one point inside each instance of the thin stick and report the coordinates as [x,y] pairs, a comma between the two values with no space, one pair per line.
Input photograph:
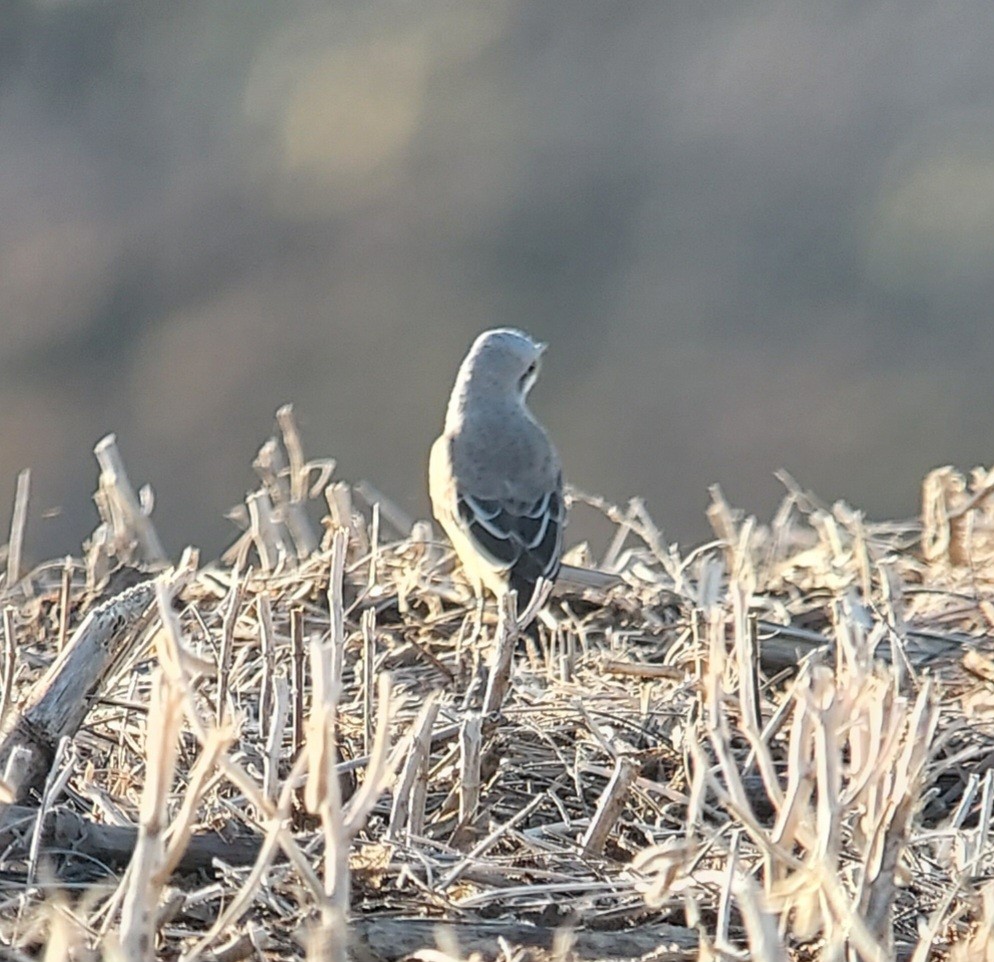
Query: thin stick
[336,605]
[115,478]
[499,677]
[402,809]
[297,678]
[296,516]
[266,534]
[141,896]
[274,737]
[267,642]
[368,662]
[58,776]
[374,545]
[725,900]
[470,743]
[609,806]
[9,660]
[65,601]
[498,833]
[399,520]
[419,790]
[231,613]
[18,522]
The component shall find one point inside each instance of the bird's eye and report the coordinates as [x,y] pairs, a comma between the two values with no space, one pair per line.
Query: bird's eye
[528,376]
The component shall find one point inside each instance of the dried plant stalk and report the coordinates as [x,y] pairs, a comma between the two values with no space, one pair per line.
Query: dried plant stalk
[609,806]
[796,722]
[146,876]
[130,522]
[19,520]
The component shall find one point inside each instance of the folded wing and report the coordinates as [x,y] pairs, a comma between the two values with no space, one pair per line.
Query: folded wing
[522,538]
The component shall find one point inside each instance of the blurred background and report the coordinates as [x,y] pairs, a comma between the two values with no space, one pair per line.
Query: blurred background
[755,235]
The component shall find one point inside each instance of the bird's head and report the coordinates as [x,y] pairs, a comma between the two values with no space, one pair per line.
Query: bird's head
[506,360]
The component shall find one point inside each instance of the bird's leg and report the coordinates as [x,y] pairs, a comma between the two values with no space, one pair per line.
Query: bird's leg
[476,631]
[474,647]
[478,621]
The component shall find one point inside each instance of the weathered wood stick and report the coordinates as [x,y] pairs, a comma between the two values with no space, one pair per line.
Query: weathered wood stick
[499,675]
[470,746]
[610,805]
[63,695]
[112,845]
[20,518]
[267,533]
[406,796]
[272,468]
[115,478]
[147,873]
[419,790]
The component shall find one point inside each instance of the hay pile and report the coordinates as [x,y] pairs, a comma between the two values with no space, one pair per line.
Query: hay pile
[777,746]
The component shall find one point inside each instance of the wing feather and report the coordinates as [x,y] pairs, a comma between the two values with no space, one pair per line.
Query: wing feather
[523,540]
[518,541]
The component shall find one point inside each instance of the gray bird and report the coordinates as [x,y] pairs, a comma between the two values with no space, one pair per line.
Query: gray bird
[494,477]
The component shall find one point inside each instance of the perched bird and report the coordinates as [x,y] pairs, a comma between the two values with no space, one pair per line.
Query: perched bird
[494,477]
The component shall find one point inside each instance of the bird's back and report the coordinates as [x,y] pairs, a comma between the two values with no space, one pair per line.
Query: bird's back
[498,493]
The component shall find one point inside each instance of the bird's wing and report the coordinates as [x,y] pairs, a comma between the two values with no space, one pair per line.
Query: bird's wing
[524,537]
[519,540]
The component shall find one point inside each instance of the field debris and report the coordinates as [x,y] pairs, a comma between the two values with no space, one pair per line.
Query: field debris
[778,745]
